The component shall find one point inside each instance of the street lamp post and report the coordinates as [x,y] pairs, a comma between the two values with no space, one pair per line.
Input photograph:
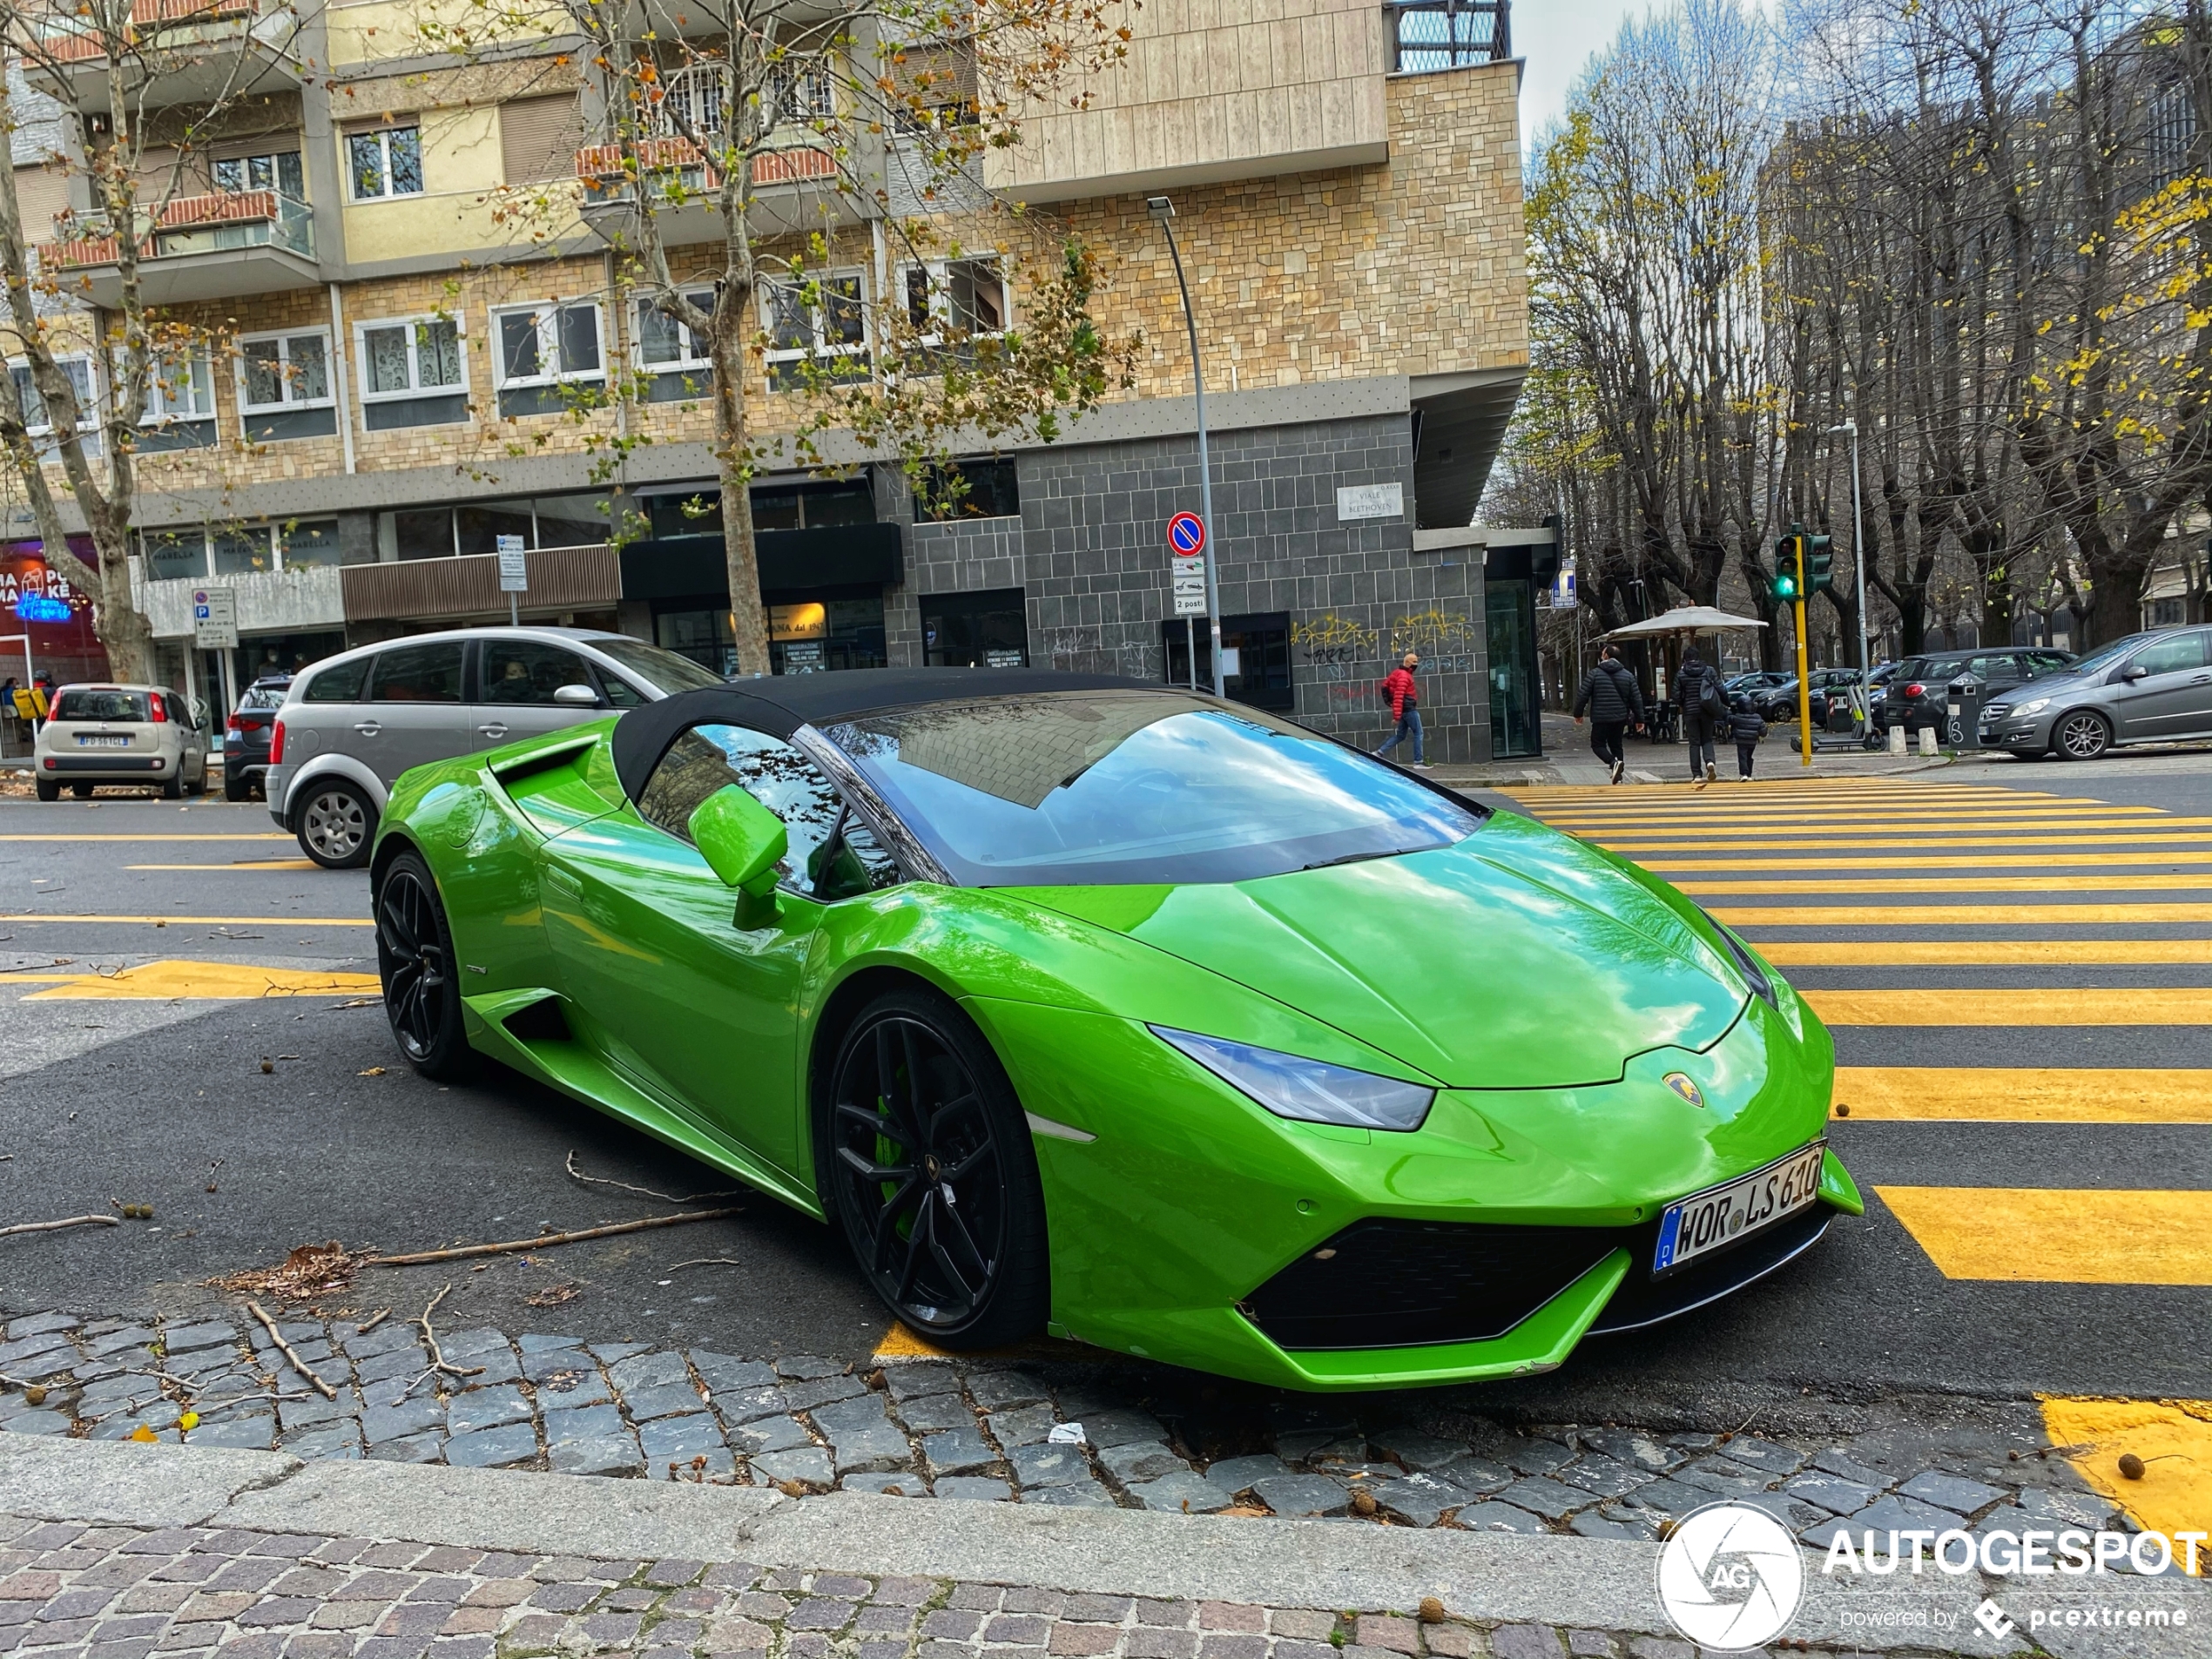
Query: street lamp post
[1163,211]
[1849,429]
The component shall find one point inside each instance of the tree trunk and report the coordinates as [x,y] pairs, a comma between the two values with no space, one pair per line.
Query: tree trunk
[741,558]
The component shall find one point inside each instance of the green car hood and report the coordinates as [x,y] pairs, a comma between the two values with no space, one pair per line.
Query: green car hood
[1517,959]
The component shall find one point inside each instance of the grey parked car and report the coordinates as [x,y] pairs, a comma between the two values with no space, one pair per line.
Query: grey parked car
[352,723]
[2147,688]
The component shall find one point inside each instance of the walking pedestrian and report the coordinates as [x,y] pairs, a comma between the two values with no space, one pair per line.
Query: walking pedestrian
[1747,727]
[1405,699]
[1704,711]
[1615,702]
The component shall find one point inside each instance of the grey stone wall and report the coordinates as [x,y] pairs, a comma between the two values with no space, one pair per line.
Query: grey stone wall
[1090,550]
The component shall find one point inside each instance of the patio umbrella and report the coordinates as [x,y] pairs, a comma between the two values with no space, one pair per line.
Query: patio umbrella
[1684,619]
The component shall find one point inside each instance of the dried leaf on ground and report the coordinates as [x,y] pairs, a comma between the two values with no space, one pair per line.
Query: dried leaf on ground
[553,1295]
[310,1271]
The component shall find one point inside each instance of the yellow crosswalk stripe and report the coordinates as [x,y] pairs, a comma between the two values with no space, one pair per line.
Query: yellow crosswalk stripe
[1816,885]
[2171,1438]
[1755,860]
[1978,1094]
[1956,824]
[235,864]
[173,980]
[1674,844]
[1747,817]
[1963,953]
[198,921]
[1953,915]
[73,837]
[1953,1006]
[2071,1236]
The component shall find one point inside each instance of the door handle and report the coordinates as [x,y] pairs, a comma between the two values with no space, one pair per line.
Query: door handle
[2201,679]
[495,730]
[367,728]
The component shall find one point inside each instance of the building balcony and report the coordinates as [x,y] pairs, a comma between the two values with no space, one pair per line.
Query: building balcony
[176,51]
[201,247]
[456,589]
[1429,35]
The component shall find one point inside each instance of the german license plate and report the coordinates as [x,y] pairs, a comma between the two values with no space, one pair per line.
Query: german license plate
[87,740]
[1704,1221]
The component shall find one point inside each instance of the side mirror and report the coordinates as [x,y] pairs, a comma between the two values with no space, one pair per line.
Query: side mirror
[742,842]
[2134,671]
[576,696]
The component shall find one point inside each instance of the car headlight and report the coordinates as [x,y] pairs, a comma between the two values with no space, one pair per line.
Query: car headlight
[2033,706]
[1761,987]
[1310,1091]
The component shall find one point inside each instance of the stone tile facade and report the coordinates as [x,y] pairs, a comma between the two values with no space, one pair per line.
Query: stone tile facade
[1090,551]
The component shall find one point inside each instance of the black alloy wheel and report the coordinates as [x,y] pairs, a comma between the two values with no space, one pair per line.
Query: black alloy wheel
[935,1174]
[2081,735]
[415,958]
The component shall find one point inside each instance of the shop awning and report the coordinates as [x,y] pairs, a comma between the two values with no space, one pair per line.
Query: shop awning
[1684,619]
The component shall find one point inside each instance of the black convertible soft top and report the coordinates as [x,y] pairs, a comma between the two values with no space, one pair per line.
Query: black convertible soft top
[780,705]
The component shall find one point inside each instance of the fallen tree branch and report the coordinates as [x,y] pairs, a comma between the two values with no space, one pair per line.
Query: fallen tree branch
[438,1361]
[285,1348]
[372,1322]
[707,1261]
[545,1240]
[56,1226]
[644,1192]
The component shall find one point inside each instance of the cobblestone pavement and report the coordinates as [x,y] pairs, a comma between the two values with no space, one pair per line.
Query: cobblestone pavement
[1060,1434]
[127,1593]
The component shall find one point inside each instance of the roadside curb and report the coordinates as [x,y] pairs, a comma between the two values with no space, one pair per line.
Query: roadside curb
[1488,1577]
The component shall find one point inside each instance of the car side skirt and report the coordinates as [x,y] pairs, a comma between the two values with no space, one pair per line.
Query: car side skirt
[576,1071]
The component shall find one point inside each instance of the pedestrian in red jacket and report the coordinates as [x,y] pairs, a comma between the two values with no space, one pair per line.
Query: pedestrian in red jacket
[1405,699]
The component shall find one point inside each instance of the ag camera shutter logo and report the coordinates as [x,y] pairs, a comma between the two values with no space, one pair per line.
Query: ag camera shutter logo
[1730,1577]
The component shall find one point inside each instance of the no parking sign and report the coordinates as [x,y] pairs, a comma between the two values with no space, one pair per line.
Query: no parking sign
[1187,563]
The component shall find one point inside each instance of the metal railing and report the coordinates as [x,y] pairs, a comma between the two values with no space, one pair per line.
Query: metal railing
[213,223]
[165,22]
[1448,34]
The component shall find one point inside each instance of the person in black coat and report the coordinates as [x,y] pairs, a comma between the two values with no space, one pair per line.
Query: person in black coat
[1744,725]
[1615,702]
[1699,726]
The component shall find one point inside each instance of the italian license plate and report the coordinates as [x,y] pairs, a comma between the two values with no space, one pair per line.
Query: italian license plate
[85,740]
[1704,1221]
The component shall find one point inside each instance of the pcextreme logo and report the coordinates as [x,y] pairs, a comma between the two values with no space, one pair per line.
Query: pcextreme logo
[1730,1577]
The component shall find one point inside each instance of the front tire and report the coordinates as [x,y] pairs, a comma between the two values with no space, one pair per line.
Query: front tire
[934,1174]
[49,790]
[337,825]
[2081,735]
[415,958]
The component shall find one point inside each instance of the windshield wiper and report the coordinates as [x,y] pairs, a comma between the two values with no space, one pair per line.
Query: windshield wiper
[1352,858]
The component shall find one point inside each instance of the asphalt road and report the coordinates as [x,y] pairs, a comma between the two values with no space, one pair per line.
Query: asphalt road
[133,1101]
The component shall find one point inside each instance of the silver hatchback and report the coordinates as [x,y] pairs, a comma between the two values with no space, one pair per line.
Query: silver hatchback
[2147,688]
[353,723]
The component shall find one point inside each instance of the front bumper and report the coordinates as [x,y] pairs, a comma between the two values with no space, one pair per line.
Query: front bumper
[1999,728]
[1172,1231]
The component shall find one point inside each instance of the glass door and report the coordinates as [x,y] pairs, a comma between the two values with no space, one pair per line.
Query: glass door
[1510,616]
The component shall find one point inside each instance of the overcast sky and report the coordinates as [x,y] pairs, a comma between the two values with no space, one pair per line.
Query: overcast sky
[1557,38]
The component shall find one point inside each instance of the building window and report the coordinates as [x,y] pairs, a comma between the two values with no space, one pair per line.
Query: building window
[180,403]
[174,555]
[2166,613]
[284,387]
[386,162]
[79,370]
[823,323]
[801,89]
[193,553]
[962,299]
[542,348]
[986,629]
[984,487]
[414,372]
[668,350]
[443,532]
[279,171]
[307,542]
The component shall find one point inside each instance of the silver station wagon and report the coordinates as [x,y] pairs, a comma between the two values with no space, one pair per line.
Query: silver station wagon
[352,723]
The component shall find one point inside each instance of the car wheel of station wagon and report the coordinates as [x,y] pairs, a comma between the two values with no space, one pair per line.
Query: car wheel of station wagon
[336,825]
[2081,736]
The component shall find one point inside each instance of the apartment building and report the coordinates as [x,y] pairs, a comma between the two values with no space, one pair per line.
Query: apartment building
[410,265]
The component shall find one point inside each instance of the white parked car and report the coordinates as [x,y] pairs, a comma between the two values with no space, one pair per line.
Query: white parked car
[122,734]
[352,723]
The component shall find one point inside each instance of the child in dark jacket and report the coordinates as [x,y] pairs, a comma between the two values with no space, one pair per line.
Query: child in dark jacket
[1747,728]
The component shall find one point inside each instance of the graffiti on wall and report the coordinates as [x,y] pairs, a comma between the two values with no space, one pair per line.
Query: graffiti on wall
[1349,658]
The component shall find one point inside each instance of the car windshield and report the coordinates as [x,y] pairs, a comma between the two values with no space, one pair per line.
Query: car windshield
[2097,661]
[102,705]
[663,670]
[1109,788]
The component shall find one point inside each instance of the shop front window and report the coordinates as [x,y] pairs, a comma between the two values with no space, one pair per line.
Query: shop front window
[814,635]
[984,630]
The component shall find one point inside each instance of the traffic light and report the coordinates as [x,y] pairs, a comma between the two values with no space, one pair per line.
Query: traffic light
[1786,568]
[1819,565]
